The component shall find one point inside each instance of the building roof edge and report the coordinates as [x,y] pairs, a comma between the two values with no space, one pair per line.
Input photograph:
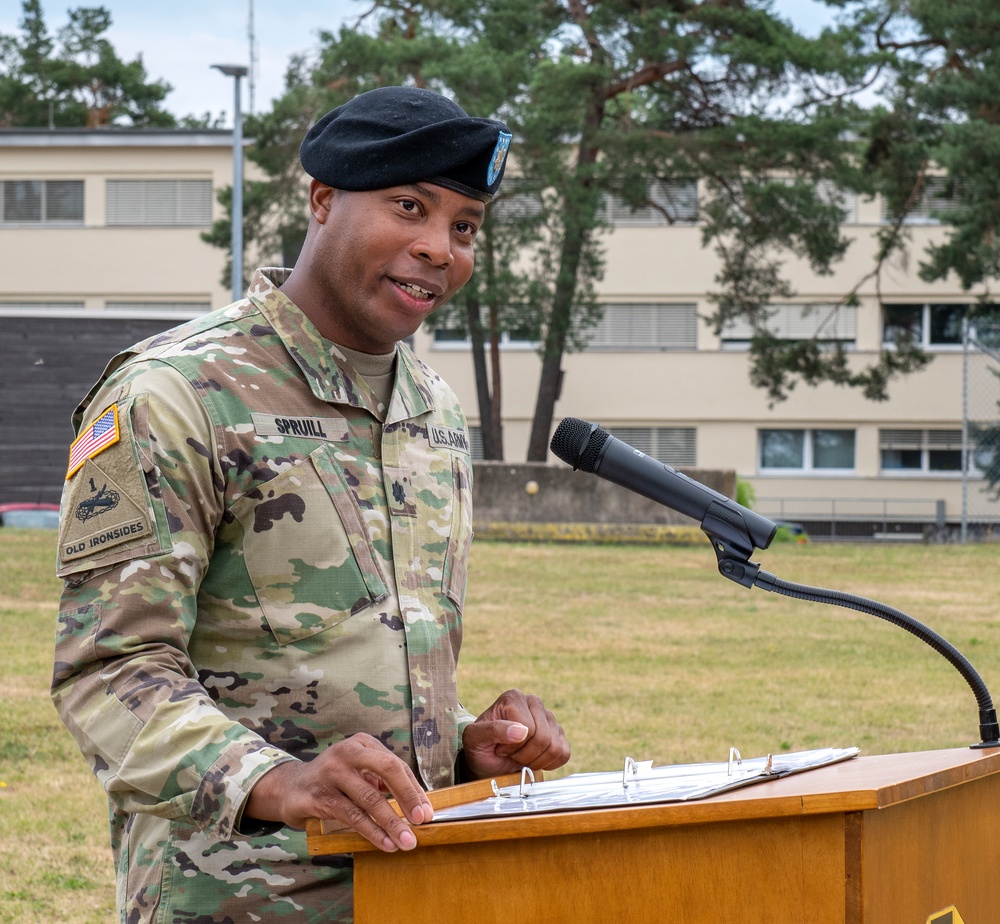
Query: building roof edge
[116,137]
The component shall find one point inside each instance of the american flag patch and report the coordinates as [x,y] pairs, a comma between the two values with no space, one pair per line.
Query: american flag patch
[101,434]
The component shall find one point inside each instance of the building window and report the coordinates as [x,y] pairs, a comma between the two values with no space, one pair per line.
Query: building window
[672,445]
[41,202]
[832,194]
[456,336]
[476,442]
[160,203]
[921,451]
[451,336]
[39,309]
[669,202]
[625,326]
[923,325]
[519,200]
[936,200]
[825,451]
[165,309]
[828,324]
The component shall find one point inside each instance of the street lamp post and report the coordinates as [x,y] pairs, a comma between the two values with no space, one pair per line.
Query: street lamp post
[236,71]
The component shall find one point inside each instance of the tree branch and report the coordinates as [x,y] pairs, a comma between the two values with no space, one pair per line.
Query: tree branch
[643,77]
[581,16]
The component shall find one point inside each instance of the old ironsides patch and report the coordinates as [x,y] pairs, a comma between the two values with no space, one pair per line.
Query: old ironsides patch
[105,506]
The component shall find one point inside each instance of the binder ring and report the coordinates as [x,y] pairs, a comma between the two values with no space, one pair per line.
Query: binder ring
[527,781]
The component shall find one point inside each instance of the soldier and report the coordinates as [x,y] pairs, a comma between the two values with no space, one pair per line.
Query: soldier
[266,525]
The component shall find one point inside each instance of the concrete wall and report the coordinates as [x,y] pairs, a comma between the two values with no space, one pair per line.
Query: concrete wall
[527,492]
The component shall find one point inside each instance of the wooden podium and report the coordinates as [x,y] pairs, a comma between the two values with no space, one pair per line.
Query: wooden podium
[889,839]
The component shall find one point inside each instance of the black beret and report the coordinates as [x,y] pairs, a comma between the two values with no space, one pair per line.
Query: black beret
[398,135]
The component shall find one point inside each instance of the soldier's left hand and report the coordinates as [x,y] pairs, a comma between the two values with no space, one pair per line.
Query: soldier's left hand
[516,731]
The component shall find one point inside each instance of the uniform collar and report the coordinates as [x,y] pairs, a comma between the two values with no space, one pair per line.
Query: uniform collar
[331,377]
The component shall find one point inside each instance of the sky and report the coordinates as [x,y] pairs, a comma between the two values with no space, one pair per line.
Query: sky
[180,40]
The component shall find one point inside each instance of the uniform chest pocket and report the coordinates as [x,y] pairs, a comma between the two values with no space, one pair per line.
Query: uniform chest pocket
[429,493]
[307,550]
[460,541]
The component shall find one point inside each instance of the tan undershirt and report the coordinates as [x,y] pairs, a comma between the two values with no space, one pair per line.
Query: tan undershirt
[377,369]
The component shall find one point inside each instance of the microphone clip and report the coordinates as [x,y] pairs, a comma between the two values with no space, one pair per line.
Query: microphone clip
[728,533]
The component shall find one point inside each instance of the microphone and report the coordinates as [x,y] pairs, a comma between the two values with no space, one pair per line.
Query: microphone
[590,448]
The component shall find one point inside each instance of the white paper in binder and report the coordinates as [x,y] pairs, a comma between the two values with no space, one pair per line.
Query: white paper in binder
[639,782]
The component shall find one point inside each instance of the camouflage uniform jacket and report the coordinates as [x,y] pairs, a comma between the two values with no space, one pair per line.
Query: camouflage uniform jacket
[259,560]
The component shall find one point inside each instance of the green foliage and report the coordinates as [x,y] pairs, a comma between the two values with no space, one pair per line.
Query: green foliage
[75,80]
[605,98]
[270,231]
[790,532]
[775,365]
[941,119]
[745,494]
[985,440]
[602,100]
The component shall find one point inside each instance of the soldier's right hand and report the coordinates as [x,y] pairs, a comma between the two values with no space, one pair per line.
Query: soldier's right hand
[346,782]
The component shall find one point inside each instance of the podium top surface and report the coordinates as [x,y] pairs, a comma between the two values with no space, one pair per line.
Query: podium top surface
[861,784]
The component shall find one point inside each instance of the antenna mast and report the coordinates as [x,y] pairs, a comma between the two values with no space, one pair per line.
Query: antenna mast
[252,83]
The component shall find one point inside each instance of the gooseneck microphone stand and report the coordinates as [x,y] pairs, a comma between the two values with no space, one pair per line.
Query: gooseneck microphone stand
[735,533]
[989,731]
[733,548]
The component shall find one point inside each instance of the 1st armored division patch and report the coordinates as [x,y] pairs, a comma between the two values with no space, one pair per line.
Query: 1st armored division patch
[106,504]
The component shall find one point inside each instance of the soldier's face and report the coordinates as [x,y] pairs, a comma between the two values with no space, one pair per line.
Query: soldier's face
[389,258]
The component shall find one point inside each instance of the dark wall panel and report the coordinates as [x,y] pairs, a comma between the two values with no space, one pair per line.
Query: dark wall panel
[47,365]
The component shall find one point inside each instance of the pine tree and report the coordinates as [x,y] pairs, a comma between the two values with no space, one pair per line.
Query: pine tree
[76,79]
[626,99]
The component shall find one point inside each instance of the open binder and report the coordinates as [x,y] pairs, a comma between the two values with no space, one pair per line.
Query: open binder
[639,783]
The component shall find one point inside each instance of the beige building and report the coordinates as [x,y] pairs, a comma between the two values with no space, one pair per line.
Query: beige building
[656,376]
[100,241]
[110,220]
[99,247]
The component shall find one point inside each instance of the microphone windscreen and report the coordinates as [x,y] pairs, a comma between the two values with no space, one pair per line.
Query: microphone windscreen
[578,443]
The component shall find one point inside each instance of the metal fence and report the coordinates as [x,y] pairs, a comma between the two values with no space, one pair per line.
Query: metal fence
[856,519]
[980,427]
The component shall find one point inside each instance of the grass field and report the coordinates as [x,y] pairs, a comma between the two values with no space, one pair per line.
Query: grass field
[640,651]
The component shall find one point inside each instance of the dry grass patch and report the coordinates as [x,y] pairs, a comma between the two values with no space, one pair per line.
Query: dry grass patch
[639,650]
[649,652]
[55,864]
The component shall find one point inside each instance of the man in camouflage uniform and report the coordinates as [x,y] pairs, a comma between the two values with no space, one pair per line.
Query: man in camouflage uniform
[266,525]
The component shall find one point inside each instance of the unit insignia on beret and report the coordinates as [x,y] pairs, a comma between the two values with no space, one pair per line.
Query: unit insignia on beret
[499,156]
